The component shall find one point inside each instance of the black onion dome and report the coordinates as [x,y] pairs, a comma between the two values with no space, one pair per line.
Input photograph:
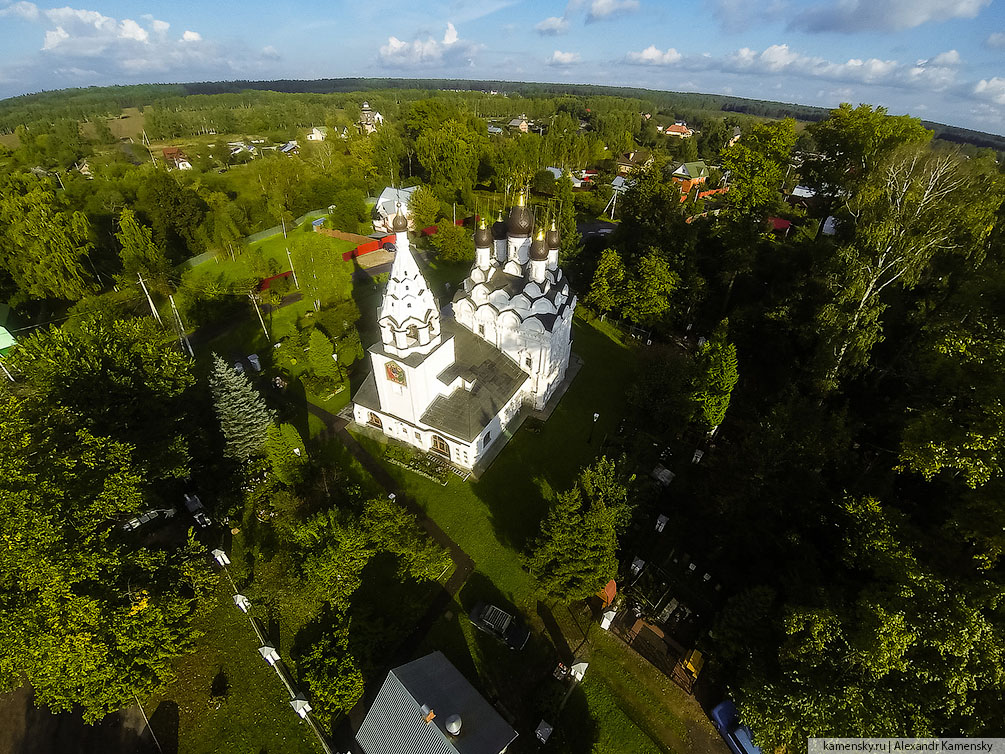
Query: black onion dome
[483,238]
[553,239]
[521,222]
[400,223]
[499,228]
[539,250]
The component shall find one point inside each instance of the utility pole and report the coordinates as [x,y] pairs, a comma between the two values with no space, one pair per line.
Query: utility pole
[251,295]
[182,337]
[153,309]
[9,375]
[147,723]
[283,221]
[292,268]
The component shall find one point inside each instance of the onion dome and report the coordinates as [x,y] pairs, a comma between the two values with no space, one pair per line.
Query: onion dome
[521,221]
[552,237]
[499,229]
[483,237]
[539,249]
[400,222]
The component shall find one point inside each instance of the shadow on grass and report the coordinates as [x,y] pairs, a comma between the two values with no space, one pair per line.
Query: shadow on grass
[164,724]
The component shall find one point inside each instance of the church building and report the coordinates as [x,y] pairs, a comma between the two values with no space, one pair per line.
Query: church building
[450,385]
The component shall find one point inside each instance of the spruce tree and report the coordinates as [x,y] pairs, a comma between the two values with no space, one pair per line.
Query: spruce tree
[568,231]
[244,417]
[717,376]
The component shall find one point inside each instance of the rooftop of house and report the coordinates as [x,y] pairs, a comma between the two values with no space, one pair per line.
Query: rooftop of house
[691,170]
[390,198]
[413,706]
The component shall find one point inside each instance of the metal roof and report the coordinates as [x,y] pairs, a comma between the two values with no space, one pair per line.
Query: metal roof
[397,721]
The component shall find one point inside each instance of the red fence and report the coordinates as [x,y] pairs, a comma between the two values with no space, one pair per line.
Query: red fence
[368,247]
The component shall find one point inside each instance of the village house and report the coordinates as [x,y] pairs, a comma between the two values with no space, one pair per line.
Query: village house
[687,175]
[318,133]
[519,124]
[176,159]
[679,130]
[390,202]
[634,160]
[428,706]
[735,137]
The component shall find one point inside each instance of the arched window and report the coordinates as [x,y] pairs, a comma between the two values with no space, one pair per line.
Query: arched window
[412,333]
[439,445]
[374,421]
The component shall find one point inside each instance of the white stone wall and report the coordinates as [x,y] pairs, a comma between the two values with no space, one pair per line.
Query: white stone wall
[421,388]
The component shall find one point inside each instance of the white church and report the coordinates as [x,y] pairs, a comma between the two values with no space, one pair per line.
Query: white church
[451,385]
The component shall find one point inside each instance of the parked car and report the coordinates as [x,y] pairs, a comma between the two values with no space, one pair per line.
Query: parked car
[500,624]
[737,735]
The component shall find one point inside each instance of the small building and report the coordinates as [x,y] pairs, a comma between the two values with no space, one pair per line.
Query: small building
[735,137]
[387,205]
[577,182]
[176,159]
[495,131]
[687,175]
[290,147]
[318,133]
[369,119]
[634,160]
[519,124]
[801,196]
[679,130]
[428,707]
[6,341]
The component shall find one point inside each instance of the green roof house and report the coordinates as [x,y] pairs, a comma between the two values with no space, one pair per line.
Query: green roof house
[6,341]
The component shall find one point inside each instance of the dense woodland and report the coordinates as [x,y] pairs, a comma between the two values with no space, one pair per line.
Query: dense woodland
[847,387]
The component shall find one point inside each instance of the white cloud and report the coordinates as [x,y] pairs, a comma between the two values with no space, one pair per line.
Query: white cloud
[427,51]
[25,10]
[79,46]
[991,89]
[652,55]
[563,58]
[601,9]
[996,40]
[882,15]
[552,26]
[270,52]
[949,57]
[129,29]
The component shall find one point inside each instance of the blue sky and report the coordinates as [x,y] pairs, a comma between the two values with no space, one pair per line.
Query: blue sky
[943,60]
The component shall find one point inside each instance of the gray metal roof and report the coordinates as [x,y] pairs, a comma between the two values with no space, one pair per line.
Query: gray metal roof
[396,723]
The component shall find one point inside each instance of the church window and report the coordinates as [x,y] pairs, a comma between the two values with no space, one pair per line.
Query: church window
[412,332]
[481,329]
[487,440]
[418,435]
[529,362]
[439,445]
[374,421]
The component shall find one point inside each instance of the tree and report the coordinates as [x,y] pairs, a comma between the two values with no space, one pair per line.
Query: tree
[651,284]
[123,378]
[330,671]
[569,237]
[757,166]
[543,182]
[43,245]
[450,155]
[716,376]
[424,207]
[139,253]
[244,418]
[917,205]
[575,554]
[174,212]
[321,271]
[393,529]
[452,242]
[88,617]
[607,290]
[320,355]
[287,453]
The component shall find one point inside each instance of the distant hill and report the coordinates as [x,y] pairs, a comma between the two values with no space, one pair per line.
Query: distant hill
[81,103]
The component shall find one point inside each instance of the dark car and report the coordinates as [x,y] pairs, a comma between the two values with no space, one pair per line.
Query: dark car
[500,624]
[737,736]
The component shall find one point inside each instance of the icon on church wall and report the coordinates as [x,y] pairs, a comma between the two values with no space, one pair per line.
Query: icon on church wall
[395,373]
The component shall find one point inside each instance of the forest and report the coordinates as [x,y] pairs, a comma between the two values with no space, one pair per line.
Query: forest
[844,377]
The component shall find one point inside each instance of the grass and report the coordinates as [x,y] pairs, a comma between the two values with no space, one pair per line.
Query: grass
[253,715]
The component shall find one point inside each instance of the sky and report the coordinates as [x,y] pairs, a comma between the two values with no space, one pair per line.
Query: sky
[942,60]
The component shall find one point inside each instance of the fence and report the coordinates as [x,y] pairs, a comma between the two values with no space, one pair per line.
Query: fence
[313,214]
